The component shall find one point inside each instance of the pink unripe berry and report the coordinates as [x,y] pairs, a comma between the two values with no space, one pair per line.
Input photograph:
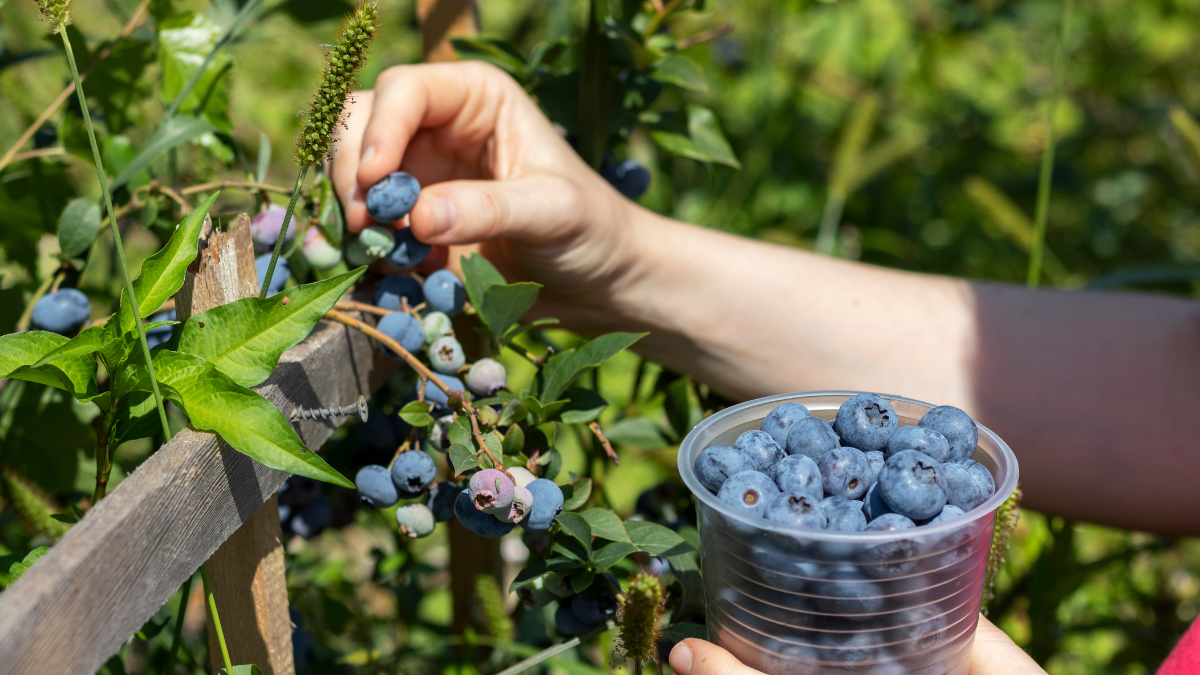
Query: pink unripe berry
[318,251]
[521,504]
[491,491]
[264,228]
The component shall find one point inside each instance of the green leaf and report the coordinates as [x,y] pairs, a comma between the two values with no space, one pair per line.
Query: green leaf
[610,554]
[463,458]
[244,339]
[504,304]
[263,163]
[495,51]
[17,569]
[171,133]
[514,332]
[681,72]
[51,359]
[563,367]
[705,142]
[478,275]
[184,41]
[513,412]
[460,431]
[78,226]
[244,419]
[637,431]
[417,414]
[605,524]
[514,440]
[242,670]
[583,406]
[137,417]
[576,494]
[494,443]
[576,526]
[655,539]
[581,579]
[329,214]
[163,273]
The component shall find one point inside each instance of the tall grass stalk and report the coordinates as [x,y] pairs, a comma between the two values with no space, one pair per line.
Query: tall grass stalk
[1045,178]
[212,609]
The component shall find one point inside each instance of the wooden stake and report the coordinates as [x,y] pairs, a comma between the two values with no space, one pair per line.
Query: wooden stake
[441,19]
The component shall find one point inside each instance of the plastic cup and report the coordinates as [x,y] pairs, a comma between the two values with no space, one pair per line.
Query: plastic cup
[789,600]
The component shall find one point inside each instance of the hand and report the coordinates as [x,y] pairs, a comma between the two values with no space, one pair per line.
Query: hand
[994,654]
[494,171]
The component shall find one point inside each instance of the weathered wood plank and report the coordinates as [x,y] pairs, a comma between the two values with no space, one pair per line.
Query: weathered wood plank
[117,566]
[441,19]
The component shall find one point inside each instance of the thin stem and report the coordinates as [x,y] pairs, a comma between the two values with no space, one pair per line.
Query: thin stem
[287,217]
[1046,176]
[827,234]
[44,152]
[27,314]
[179,616]
[554,651]
[355,306]
[112,223]
[103,453]
[608,448]
[222,184]
[212,608]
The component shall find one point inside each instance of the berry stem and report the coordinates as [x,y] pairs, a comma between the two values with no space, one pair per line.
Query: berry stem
[354,306]
[1046,173]
[222,184]
[287,217]
[177,637]
[212,608]
[608,448]
[116,233]
[27,314]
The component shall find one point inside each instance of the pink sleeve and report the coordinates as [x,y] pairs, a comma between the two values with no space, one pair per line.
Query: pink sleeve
[1185,658]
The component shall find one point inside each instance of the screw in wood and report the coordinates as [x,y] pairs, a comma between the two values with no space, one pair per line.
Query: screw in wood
[359,408]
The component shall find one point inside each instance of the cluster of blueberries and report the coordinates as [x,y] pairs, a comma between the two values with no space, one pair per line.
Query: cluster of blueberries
[862,473]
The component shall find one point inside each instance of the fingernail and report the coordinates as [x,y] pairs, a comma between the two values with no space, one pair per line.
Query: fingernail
[367,155]
[681,659]
[442,214]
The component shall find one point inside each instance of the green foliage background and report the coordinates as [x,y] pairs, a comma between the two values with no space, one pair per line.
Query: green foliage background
[950,99]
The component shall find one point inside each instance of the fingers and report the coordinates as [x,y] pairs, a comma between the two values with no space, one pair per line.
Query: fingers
[467,211]
[344,163]
[996,654]
[697,657]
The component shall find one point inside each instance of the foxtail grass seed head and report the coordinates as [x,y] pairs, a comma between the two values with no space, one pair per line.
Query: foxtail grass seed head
[640,612]
[319,125]
[57,13]
[1007,517]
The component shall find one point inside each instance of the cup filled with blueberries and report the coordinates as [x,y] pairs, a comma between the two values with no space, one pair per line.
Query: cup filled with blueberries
[845,532]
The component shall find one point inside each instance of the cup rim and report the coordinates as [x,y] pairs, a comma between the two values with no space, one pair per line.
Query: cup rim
[685,462]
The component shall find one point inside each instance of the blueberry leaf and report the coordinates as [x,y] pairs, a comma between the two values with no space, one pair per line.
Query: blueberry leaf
[78,226]
[605,524]
[514,440]
[504,304]
[518,329]
[681,72]
[136,418]
[637,431]
[576,494]
[478,275]
[563,367]
[610,554]
[463,458]
[583,405]
[242,670]
[576,526]
[244,339]
[417,414]
[460,431]
[581,579]
[513,412]
[655,539]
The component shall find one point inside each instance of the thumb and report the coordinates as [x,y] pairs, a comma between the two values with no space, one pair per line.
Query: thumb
[697,657]
[471,211]
[995,653]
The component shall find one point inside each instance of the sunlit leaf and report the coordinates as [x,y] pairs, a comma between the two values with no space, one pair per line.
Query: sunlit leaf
[78,226]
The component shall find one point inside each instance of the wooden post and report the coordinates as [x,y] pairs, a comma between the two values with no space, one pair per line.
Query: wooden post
[441,19]
[247,571]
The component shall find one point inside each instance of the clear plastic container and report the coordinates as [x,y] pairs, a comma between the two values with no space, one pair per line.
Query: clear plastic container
[787,600]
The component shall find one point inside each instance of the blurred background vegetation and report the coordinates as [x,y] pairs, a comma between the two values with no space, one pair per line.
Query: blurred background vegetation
[926,118]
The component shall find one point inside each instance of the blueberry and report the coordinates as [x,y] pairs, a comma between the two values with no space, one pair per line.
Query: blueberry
[748,492]
[875,459]
[873,504]
[812,437]
[413,471]
[521,504]
[265,226]
[780,420]
[762,450]
[491,491]
[318,252]
[797,510]
[566,623]
[845,515]
[958,428]
[920,439]
[912,484]
[799,474]
[63,312]
[547,504]
[408,251]
[597,604]
[446,355]
[445,293]
[441,500]
[486,377]
[865,421]
[396,286]
[415,521]
[300,491]
[890,522]
[966,486]
[435,395]
[375,486]
[981,475]
[844,473]
[716,463]
[279,279]
[630,178]
[402,328]
[948,511]
[157,336]
[477,522]
[392,197]
[436,325]
[311,520]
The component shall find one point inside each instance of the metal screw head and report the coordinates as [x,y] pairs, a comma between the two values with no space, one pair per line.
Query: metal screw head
[362,408]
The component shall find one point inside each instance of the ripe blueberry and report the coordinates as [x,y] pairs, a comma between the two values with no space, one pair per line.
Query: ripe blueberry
[748,492]
[844,472]
[408,251]
[279,279]
[958,428]
[547,504]
[477,522]
[566,623]
[797,510]
[845,515]
[413,471]
[630,178]
[597,604]
[446,355]
[392,197]
[875,459]
[873,504]
[912,484]
[375,486]
[486,377]
[415,520]
[920,439]
[812,437]
[441,500]
[890,522]
[762,450]
[396,286]
[779,421]
[981,475]
[865,421]
[716,463]
[799,474]
[436,325]
[948,511]
[265,226]
[966,485]
[491,491]
[402,328]
[445,293]
[435,395]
